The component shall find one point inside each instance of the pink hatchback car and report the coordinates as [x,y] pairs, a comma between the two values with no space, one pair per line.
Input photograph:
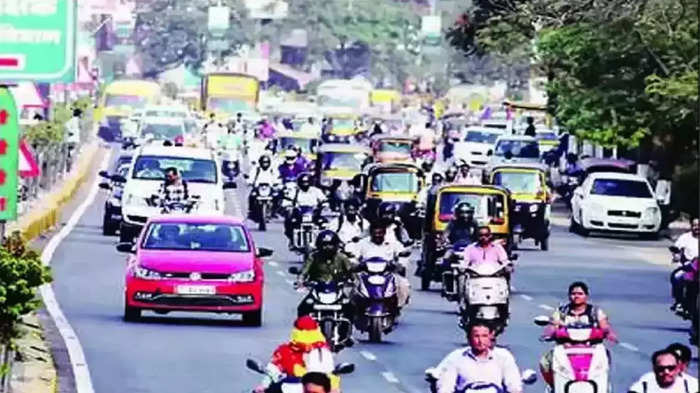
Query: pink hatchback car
[194,263]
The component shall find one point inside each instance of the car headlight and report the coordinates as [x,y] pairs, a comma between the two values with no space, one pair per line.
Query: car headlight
[146,274]
[326,182]
[534,208]
[244,276]
[651,212]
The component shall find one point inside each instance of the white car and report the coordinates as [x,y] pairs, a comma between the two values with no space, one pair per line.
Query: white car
[610,201]
[161,128]
[198,167]
[514,149]
[475,147]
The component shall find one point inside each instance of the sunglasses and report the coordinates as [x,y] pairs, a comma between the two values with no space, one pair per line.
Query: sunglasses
[484,235]
[665,368]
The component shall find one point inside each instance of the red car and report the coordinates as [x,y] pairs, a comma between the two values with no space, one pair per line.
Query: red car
[194,263]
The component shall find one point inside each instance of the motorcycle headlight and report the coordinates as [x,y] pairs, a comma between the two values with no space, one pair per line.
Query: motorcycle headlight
[264,191]
[534,208]
[307,217]
[244,276]
[327,298]
[146,274]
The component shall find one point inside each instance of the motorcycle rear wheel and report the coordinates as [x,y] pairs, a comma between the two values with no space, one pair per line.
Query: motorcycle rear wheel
[375,330]
[262,218]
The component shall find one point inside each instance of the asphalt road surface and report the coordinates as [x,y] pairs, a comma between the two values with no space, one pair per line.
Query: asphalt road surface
[182,352]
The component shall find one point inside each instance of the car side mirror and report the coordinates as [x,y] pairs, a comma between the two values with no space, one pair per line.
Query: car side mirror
[529,376]
[541,320]
[105,186]
[126,247]
[230,185]
[294,270]
[118,179]
[489,153]
[104,174]
[344,368]
[264,252]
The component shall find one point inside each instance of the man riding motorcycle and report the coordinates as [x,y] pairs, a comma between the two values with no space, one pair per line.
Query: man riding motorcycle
[290,168]
[306,351]
[263,173]
[325,264]
[229,145]
[687,244]
[395,230]
[463,226]
[305,195]
[450,174]
[465,177]
[577,311]
[350,225]
[173,190]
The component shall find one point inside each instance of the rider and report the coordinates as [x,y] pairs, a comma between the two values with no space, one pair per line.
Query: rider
[263,173]
[306,351]
[465,176]
[463,226]
[350,225]
[485,250]
[577,311]
[450,174]
[480,363]
[378,245]
[290,168]
[174,188]
[325,264]
[229,144]
[395,230]
[305,195]
[687,243]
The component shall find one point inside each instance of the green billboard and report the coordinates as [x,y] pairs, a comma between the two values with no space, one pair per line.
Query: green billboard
[9,155]
[37,40]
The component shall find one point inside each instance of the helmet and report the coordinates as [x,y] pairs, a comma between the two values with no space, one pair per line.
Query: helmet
[387,208]
[264,158]
[327,237]
[290,153]
[438,177]
[304,179]
[463,208]
[428,164]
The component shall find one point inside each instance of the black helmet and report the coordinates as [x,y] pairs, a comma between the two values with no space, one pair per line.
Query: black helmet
[304,179]
[463,208]
[264,158]
[387,208]
[325,238]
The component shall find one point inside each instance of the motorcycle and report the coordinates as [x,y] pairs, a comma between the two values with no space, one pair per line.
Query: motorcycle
[169,207]
[432,376]
[483,291]
[329,302]
[451,262]
[580,361]
[306,227]
[690,299]
[263,196]
[569,182]
[287,384]
[376,298]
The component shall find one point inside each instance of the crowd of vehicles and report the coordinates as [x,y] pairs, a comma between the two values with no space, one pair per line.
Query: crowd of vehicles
[189,255]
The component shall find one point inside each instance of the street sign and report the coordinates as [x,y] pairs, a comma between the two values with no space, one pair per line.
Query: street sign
[218,21]
[9,139]
[37,40]
[28,167]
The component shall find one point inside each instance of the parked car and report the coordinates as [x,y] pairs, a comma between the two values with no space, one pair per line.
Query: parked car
[194,263]
[610,201]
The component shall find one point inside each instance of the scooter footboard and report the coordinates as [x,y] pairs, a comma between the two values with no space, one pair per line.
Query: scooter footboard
[487,291]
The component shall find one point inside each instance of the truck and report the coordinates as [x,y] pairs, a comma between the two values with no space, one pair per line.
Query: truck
[228,93]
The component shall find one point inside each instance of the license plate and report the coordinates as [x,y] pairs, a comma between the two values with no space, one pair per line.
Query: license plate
[195,290]
[327,306]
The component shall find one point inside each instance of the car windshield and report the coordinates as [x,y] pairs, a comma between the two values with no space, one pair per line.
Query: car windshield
[192,170]
[395,147]
[485,205]
[195,237]
[161,130]
[519,148]
[620,187]
[481,137]
[227,105]
[165,113]
[131,101]
[395,182]
[519,182]
[335,160]
[546,136]
[305,144]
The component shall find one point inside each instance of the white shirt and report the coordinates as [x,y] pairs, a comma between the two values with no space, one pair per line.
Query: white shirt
[679,386]
[461,367]
[470,180]
[689,244]
[349,230]
[366,248]
[311,197]
[268,176]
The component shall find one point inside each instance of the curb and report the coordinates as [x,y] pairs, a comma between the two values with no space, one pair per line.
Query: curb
[42,219]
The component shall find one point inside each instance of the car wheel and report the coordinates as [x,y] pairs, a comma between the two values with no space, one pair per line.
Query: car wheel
[544,244]
[425,279]
[131,314]
[124,235]
[109,228]
[649,236]
[253,318]
[581,227]
[572,224]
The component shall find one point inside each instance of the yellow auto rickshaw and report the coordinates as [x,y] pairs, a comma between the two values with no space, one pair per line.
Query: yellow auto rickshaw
[491,207]
[337,164]
[306,141]
[340,128]
[531,206]
[397,183]
[393,148]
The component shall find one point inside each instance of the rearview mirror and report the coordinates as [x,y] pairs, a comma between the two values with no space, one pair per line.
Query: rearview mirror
[264,252]
[254,365]
[529,376]
[404,254]
[344,368]
[489,153]
[126,247]
[294,270]
[230,185]
[103,174]
[118,179]
[541,320]
[105,186]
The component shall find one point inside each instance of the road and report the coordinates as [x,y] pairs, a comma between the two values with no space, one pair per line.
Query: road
[188,353]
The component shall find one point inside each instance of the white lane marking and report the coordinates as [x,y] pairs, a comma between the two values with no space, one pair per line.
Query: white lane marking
[81,372]
[368,355]
[526,297]
[629,346]
[390,377]
[546,307]
[280,273]
[273,263]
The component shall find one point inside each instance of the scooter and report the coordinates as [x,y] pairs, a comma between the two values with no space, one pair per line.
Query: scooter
[287,384]
[263,195]
[376,298]
[432,375]
[306,228]
[580,361]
